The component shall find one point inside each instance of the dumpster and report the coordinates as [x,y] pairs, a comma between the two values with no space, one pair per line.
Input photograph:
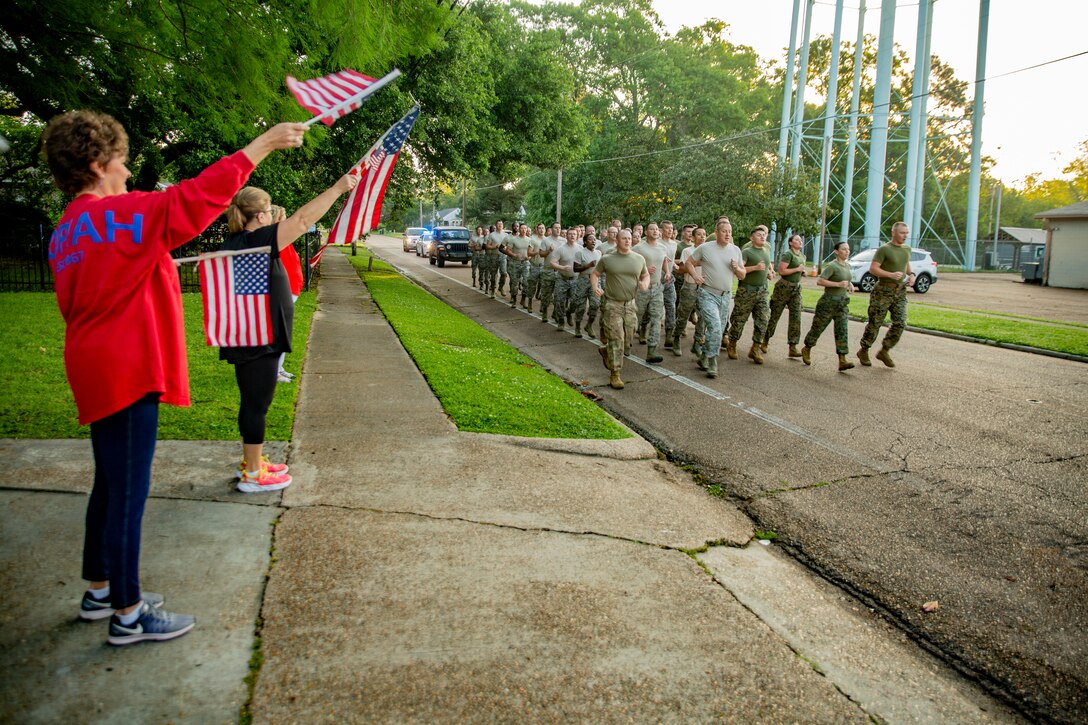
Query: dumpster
[1032,272]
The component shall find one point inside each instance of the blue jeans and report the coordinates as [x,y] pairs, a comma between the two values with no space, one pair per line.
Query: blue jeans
[124,445]
[713,308]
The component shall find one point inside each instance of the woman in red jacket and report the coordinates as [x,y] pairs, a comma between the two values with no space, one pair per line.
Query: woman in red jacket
[124,345]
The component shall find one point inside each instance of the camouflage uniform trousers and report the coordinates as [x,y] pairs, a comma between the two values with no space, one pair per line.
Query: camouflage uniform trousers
[668,297]
[713,312]
[751,301]
[883,299]
[618,320]
[490,267]
[689,301]
[564,291]
[477,270]
[828,308]
[532,284]
[519,280]
[786,295]
[547,290]
[582,300]
[651,307]
[500,267]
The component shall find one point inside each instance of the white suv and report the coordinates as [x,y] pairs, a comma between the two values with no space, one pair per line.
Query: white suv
[921,263]
[411,236]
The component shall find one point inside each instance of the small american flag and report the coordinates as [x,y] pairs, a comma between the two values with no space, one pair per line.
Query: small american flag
[237,312]
[363,208]
[336,95]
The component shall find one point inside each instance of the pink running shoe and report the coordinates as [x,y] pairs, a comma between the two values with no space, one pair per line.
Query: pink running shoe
[266,465]
[264,481]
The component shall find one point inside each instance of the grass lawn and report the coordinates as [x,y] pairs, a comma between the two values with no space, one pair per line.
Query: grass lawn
[35,401]
[485,385]
[976,324]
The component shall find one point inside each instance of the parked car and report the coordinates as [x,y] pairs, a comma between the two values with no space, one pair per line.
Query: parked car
[423,244]
[921,262]
[411,236]
[450,244]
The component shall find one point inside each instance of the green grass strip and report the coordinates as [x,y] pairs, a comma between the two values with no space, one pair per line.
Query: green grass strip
[35,401]
[485,385]
[982,326]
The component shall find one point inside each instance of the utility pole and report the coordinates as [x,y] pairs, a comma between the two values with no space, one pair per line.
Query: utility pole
[974,180]
[464,208]
[997,221]
[559,196]
[918,116]
[878,144]
[852,135]
[799,99]
[831,111]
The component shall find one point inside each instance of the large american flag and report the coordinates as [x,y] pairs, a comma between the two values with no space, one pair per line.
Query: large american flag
[363,208]
[337,94]
[237,312]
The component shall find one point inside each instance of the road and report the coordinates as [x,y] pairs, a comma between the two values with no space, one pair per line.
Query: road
[957,477]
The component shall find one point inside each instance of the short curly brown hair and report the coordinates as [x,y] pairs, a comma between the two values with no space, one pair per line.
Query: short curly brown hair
[73,140]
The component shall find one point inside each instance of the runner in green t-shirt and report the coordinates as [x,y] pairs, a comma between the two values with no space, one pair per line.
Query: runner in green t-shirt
[891,267]
[752,296]
[833,306]
[626,273]
[787,295]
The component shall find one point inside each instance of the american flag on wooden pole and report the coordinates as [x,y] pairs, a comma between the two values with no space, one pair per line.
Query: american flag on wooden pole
[235,289]
[363,208]
[337,94]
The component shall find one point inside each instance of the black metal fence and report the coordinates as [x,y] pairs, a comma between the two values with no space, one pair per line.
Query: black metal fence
[24,263]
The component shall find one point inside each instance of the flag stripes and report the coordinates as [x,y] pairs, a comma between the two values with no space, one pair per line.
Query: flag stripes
[322,94]
[362,209]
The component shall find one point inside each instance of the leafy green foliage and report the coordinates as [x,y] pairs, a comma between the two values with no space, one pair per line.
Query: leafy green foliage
[35,401]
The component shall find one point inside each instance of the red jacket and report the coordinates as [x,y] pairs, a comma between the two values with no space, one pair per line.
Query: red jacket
[119,291]
[293,266]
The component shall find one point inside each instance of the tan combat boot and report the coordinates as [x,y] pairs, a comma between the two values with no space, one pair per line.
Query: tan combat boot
[754,355]
[885,358]
[763,345]
[793,351]
[845,364]
[863,357]
[614,380]
[731,349]
[805,357]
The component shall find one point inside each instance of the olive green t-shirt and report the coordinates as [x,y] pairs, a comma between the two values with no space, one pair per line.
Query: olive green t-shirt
[753,256]
[622,272]
[836,271]
[792,259]
[893,258]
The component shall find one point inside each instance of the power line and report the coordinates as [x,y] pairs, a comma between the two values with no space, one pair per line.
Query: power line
[746,134]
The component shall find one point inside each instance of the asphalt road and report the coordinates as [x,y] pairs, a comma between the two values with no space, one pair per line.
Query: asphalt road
[957,477]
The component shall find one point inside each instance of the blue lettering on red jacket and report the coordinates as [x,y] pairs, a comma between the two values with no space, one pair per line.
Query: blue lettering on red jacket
[69,234]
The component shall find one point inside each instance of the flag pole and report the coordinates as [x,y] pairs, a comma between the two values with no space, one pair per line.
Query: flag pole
[387,78]
[224,253]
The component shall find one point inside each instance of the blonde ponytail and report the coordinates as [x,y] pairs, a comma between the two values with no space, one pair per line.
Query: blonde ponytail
[247,204]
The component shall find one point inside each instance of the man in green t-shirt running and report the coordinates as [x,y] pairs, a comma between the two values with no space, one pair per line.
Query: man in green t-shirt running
[626,273]
[891,267]
[752,296]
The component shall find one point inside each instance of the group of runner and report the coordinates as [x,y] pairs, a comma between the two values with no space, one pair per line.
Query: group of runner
[650,282]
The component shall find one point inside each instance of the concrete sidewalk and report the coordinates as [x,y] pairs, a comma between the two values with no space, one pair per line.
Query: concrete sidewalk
[416,573]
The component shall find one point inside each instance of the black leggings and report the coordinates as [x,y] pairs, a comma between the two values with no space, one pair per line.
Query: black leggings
[257,384]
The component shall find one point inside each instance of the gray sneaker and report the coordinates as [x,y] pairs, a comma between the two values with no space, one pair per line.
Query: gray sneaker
[91,609]
[152,625]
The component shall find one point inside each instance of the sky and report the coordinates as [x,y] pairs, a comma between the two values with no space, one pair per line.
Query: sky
[1034,120]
